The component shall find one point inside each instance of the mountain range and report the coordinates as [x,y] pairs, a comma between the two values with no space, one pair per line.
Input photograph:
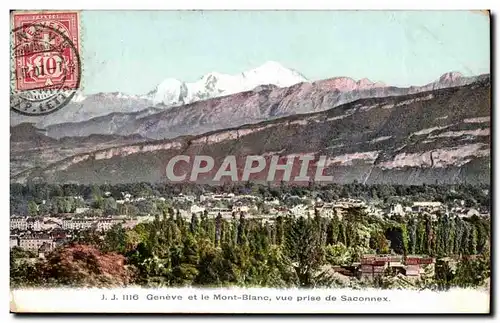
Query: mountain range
[216,101]
[169,93]
[370,132]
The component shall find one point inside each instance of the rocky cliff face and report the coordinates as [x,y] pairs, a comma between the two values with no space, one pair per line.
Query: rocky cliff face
[440,136]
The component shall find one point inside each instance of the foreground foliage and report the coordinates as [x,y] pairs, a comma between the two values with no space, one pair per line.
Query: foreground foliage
[291,252]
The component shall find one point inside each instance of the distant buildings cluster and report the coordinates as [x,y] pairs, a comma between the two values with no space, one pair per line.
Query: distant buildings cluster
[32,232]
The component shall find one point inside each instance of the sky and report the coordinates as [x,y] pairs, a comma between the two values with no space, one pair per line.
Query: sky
[133,51]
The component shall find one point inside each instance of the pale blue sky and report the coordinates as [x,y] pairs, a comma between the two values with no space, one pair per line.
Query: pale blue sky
[132,51]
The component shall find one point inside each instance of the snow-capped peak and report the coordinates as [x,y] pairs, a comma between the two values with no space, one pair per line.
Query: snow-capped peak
[450,77]
[273,73]
[173,92]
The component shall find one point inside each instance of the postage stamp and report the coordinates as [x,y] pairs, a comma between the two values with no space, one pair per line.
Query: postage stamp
[46,67]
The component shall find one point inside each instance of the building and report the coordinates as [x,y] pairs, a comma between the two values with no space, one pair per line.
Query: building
[397,209]
[224,212]
[329,210]
[14,241]
[77,223]
[130,224]
[271,201]
[242,208]
[80,210]
[183,198]
[376,265]
[217,197]
[50,225]
[19,223]
[426,206]
[373,266]
[196,209]
[105,224]
[35,224]
[82,224]
[300,210]
[34,242]
[415,265]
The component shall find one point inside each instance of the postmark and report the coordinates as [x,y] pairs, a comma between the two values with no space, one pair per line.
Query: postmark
[46,65]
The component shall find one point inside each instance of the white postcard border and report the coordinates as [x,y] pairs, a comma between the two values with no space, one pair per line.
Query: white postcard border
[447,297]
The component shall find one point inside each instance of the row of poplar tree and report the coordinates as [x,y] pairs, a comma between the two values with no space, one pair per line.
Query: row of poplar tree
[288,252]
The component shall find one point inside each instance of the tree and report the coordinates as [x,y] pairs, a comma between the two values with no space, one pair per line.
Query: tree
[81,265]
[218,229]
[32,208]
[303,250]
[471,272]
[115,240]
[379,243]
[404,238]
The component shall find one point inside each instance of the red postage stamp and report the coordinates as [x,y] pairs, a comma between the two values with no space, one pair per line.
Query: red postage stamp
[47,48]
[46,66]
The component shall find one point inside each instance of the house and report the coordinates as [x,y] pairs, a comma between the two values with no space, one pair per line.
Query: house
[426,206]
[19,223]
[183,198]
[376,265]
[472,212]
[224,212]
[14,241]
[329,210]
[130,224]
[217,197]
[35,224]
[82,224]
[77,223]
[242,208]
[58,234]
[484,214]
[415,265]
[265,221]
[80,210]
[50,225]
[299,210]
[34,242]
[412,267]
[271,201]
[105,224]
[244,197]
[196,209]
[397,209]
[372,266]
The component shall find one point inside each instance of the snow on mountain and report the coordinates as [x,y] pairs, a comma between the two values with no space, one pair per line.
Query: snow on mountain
[169,92]
[450,77]
[272,73]
[172,92]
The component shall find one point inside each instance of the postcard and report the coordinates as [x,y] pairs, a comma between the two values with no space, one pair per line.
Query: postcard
[250,162]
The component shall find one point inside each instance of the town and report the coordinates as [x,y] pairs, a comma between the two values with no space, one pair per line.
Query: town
[42,230]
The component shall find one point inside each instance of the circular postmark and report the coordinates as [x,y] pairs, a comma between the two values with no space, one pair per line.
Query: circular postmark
[45,70]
